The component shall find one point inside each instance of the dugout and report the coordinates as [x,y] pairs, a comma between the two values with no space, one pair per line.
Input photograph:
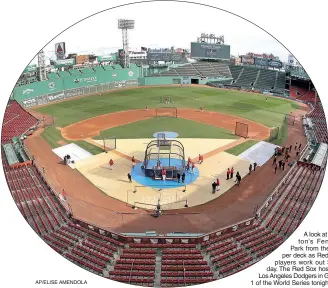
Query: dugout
[170,154]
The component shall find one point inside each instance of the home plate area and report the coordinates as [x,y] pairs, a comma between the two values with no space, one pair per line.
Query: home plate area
[145,192]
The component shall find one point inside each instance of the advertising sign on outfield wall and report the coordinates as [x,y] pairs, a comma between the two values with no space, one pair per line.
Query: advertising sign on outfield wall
[30,102]
[275,64]
[56,97]
[64,63]
[75,92]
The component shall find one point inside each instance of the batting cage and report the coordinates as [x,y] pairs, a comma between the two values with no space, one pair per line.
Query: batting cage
[109,143]
[165,99]
[164,154]
[290,119]
[274,134]
[166,112]
[241,129]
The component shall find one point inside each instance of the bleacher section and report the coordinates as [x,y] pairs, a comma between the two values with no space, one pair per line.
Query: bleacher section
[318,118]
[199,69]
[16,122]
[235,71]
[296,196]
[247,77]
[233,252]
[181,266]
[33,198]
[303,94]
[280,83]
[135,266]
[266,79]
[222,68]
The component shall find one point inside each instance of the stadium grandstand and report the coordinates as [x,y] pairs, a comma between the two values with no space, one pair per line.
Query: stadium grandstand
[157,258]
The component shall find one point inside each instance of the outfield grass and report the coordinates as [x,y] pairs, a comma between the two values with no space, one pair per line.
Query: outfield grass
[241,147]
[248,105]
[52,136]
[185,129]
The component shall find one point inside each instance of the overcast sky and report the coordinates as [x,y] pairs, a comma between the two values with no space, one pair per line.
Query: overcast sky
[159,24]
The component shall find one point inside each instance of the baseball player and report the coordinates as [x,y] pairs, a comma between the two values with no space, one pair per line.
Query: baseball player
[228,174]
[217,184]
[192,167]
[133,162]
[164,174]
[111,164]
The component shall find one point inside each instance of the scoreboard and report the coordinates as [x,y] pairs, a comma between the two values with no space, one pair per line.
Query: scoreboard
[210,51]
[165,56]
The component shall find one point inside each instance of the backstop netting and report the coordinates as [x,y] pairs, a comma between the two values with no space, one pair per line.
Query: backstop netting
[241,129]
[290,119]
[274,134]
[109,143]
[165,99]
[167,112]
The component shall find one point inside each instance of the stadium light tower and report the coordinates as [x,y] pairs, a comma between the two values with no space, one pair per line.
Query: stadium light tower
[42,66]
[126,25]
[210,38]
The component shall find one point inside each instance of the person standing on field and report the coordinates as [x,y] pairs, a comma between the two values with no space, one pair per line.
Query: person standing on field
[228,174]
[129,177]
[193,168]
[254,165]
[133,162]
[250,169]
[213,187]
[217,184]
[111,164]
[183,177]
[164,174]
[283,165]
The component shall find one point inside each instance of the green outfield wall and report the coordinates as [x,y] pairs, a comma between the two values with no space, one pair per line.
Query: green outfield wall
[100,81]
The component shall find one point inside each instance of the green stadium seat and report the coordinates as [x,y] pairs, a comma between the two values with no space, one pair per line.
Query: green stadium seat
[63,73]
[108,67]
[98,68]
[87,70]
[75,72]
[53,75]
[117,66]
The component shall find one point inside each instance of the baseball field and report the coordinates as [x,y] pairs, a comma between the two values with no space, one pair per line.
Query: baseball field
[267,111]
